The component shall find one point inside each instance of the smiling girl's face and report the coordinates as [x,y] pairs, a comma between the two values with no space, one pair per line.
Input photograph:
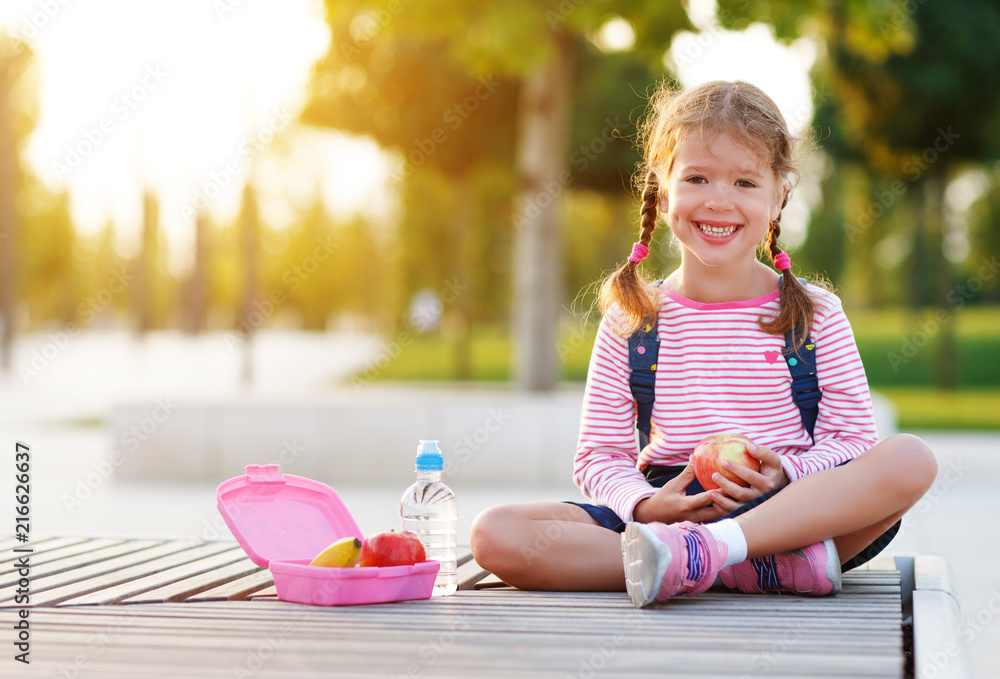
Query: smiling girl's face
[719,200]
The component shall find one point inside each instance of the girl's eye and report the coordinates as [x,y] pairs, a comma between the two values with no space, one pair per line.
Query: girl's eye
[745,184]
[697,180]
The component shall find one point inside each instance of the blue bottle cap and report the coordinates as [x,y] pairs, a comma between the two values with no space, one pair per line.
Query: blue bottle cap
[429,456]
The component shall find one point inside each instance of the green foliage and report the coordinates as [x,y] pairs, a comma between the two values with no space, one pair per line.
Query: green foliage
[928,408]
[406,92]
[49,273]
[984,218]
[603,149]
[438,84]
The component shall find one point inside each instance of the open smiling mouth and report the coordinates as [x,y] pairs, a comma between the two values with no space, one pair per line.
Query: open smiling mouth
[717,231]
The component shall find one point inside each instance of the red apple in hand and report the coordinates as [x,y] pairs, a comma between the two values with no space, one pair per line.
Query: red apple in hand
[712,451]
[392,548]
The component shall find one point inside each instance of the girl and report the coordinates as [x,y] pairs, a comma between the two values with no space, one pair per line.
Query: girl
[718,165]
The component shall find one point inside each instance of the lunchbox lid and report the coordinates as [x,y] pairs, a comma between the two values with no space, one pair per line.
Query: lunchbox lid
[277,516]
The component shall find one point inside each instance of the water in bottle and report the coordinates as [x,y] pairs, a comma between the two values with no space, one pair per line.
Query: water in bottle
[429,509]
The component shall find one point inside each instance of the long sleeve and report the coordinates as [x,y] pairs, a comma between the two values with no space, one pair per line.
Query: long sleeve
[607,454]
[845,426]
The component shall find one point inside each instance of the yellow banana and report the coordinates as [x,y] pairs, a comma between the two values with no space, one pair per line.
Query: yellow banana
[343,553]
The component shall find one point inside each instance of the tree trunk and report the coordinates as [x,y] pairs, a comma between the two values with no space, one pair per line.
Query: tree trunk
[542,177]
[460,316]
[197,287]
[921,271]
[8,220]
[945,357]
[146,273]
[248,254]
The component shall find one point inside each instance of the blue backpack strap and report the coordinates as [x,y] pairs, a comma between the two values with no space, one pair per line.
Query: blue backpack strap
[805,385]
[643,352]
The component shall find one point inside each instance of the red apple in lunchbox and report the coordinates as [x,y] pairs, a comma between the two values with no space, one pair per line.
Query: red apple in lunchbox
[712,451]
[392,548]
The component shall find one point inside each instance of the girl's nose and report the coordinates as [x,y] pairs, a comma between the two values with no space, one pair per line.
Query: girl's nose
[719,198]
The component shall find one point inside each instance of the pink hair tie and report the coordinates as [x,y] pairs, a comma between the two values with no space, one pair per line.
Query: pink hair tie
[782,262]
[639,252]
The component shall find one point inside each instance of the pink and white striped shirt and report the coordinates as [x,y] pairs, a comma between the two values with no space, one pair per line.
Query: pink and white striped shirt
[718,372]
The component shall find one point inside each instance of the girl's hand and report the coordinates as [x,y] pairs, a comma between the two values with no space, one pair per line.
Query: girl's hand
[731,496]
[671,503]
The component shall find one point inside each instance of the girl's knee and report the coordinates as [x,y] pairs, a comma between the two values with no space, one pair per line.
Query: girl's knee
[911,463]
[491,535]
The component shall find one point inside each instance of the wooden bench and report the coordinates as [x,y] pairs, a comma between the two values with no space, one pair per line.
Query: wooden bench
[116,607]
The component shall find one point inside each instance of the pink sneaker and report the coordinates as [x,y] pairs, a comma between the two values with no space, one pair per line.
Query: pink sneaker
[810,571]
[663,561]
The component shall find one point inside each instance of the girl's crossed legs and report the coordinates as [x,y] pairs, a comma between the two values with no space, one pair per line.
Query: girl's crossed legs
[558,546]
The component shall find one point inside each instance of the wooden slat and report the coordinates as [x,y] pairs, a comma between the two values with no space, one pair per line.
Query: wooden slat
[194,584]
[494,633]
[164,571]
[40,553]
[489,581]
[9,542]
[86,557]
[463,555]
[266,593]
[95,570]
[469,574]
[237,590]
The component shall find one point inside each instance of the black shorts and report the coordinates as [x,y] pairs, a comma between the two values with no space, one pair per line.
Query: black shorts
[659,475]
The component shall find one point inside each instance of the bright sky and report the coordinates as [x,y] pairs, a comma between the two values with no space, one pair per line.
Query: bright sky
[181,95]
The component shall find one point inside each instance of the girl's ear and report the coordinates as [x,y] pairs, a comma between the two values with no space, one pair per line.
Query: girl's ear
[661,202]
[780,202]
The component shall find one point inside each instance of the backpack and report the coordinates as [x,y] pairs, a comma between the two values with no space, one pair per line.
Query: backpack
[644,348]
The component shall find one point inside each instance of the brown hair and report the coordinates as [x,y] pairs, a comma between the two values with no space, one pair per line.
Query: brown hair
[747,114]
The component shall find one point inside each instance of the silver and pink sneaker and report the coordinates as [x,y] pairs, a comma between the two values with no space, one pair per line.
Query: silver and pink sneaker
[664,561]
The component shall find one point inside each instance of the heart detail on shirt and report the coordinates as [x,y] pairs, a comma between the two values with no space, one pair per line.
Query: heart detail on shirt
[771,356]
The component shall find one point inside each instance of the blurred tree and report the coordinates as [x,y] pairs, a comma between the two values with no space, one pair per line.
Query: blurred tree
[146,265]
[984,227]
[609,97]
[49,276]
[252,311]
[411,76]
[311,284]
[195,301]
[105,275]
[920,100]
[18,115]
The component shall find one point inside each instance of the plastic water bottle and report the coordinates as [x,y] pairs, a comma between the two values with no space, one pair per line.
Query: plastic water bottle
[429,509]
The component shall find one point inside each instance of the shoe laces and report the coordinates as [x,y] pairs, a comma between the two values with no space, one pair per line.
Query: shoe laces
[696,556]
[767,573]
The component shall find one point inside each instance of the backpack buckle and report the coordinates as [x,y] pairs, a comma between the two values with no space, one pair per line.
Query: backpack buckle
[805,391]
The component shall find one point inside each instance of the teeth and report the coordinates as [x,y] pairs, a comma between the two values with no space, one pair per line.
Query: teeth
[717,231]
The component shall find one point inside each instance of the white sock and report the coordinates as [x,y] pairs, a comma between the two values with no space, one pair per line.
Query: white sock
[729,532]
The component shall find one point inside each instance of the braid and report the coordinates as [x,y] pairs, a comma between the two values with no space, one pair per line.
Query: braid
[648,211]
[795,312]
[626,287]
[772,238]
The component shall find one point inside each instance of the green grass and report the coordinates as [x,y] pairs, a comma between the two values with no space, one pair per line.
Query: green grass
[928,408]
[432,358]
[899,347]
[905,376]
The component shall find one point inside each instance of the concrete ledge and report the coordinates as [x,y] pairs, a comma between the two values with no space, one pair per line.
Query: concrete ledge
[489,434]
[939,650]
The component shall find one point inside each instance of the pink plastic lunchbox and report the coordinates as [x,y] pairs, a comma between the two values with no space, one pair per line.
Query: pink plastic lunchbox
[284,521]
